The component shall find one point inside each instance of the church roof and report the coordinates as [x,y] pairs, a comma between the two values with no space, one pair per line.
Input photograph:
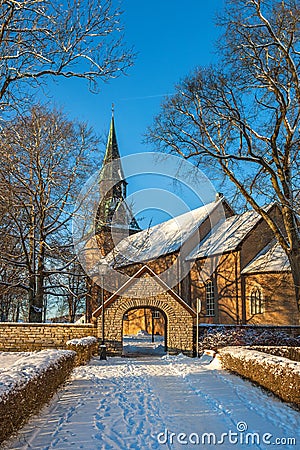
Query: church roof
[272,258]
[134,279]
[161,239]
[227,236]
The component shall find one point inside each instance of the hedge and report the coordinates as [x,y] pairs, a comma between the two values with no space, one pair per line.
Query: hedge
[292,353]
[278,374]
[30,383]
[85,348]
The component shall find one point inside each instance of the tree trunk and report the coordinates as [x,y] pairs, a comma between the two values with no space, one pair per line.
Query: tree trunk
[31,298]
[39,298]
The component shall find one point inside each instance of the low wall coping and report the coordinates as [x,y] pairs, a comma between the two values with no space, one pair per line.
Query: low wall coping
[247,325]
[49,325]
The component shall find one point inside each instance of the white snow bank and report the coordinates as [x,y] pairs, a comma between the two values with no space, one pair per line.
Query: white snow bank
[139,350]
[207,356]
[142,333]
[26,366]
[89,340]
[7,359]
[176,358]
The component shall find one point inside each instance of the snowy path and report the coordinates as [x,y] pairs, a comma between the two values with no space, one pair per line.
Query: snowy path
[125,404]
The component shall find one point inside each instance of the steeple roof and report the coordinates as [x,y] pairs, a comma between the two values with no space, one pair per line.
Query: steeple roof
[112,150]
[112,167]
[113,209]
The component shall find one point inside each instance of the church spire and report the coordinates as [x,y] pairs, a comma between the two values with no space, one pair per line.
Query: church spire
[112,150]
[113,210]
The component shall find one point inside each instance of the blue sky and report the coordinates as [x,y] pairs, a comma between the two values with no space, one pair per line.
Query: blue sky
[171,37]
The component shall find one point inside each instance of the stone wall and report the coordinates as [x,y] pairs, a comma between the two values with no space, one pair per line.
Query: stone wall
[257,239]
[35,336]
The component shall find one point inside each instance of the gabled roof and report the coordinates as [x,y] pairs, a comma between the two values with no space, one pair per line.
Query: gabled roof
[161,239]
[272,258]
[139,274]
[227,236]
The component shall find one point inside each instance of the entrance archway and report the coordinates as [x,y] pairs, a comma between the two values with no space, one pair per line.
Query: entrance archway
[144,332]
[179,315]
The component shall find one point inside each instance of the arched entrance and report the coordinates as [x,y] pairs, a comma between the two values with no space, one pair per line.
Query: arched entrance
[144,332]
[179,315]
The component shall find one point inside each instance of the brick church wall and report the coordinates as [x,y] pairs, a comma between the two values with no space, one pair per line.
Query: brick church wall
[228,301]
[258,238]
[279,298]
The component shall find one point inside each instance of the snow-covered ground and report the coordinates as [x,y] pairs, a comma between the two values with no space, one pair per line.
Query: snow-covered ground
[141,344]
[125,403]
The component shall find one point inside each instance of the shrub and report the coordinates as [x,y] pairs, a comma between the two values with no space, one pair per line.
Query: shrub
[221,337]
[279,375]
[28,384]
[85,348]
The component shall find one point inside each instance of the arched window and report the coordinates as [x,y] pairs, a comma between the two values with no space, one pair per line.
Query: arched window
[210,298]
[257,304]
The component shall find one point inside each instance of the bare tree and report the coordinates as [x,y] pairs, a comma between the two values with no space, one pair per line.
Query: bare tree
[40,38]
[44,158]
[67,288]
[243,116]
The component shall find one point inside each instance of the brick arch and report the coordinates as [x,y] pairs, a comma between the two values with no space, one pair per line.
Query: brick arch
[179,316]
[150,302]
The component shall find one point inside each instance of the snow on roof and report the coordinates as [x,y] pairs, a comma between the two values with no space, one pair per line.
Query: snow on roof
[226,236]
[272,258]
[161,239]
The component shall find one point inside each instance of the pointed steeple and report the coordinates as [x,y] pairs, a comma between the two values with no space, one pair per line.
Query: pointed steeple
[112,150]
[112,167]
[113,210]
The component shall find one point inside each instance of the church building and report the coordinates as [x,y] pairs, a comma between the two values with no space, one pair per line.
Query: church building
[228,263]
